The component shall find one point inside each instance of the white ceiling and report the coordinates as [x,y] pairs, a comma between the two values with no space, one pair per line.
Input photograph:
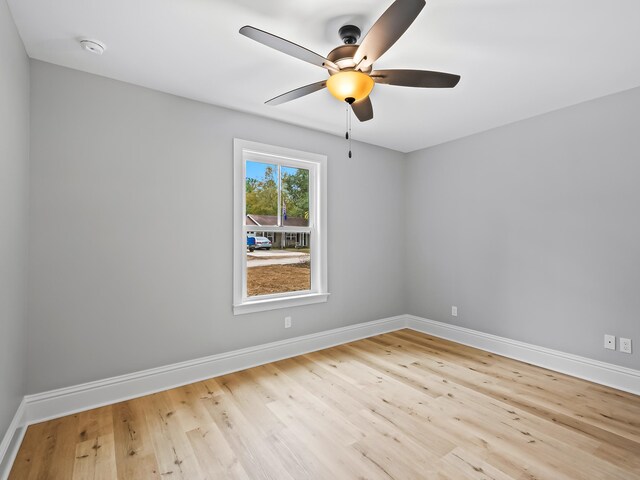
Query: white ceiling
[517,58]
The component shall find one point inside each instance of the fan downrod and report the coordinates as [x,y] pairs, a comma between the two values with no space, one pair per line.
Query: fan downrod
[350,34]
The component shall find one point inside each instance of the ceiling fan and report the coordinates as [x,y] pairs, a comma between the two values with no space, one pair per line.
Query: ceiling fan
[350,66]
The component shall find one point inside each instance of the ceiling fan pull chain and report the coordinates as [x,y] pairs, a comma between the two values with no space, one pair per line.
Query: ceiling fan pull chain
[349,116]
[350,101]
[347,134]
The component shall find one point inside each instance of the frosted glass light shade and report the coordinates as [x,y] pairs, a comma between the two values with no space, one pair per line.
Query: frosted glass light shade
[350,84]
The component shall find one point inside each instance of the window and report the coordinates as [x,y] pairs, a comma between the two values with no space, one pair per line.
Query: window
[280,247]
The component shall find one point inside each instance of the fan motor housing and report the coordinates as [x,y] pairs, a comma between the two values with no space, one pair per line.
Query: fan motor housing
[343,57]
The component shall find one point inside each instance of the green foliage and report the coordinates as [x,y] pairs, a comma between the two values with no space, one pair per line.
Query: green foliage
[262,195]
[295,192]
[251,184]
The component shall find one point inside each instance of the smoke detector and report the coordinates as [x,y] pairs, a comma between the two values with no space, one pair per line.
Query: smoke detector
[93,46]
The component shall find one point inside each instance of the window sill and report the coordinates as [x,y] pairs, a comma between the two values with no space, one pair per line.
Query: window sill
[275,303]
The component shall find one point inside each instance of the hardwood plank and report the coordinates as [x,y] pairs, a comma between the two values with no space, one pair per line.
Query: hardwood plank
[32,453]
[255,451]
[134,453]
[172,449]
[95,458]
[402,405]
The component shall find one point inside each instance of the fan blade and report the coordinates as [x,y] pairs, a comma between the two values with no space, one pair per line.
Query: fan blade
[297,93]
[285,46]
[386,31]
[363,109]
[415,78]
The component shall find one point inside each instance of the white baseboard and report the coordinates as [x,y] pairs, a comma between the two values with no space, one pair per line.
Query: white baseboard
[11,441]
[65,401]
[622,378]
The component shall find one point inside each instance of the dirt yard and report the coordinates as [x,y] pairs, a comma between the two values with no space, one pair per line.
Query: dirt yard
[278,278]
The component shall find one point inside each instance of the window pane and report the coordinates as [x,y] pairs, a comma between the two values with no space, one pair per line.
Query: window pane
[295,197]
[261,183]
[282,264]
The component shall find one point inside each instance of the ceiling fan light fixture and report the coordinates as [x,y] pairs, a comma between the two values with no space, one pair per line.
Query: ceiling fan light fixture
[350,84]
[350,65]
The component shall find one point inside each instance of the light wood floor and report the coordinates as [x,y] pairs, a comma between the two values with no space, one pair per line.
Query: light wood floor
[402,405]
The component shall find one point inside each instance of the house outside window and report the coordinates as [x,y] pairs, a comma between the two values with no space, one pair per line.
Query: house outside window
[280,251]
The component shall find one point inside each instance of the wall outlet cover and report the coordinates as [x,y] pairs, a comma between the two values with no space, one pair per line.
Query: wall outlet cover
[454,311]
[610,342]
[625,345]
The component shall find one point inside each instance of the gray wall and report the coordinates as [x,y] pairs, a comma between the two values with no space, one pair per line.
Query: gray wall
[533,229]
[131,230]
[14,163]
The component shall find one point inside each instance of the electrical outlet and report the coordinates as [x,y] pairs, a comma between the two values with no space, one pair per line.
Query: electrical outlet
[454,311]
[610,342]
[287,322]
[625,345]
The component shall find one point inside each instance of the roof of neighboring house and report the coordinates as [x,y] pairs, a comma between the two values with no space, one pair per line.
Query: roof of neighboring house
[272,220]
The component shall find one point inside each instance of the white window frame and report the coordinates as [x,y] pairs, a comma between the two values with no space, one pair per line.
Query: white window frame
[244,150]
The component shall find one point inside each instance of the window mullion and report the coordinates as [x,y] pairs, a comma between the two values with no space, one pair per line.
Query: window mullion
[274,229]
[279,221]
